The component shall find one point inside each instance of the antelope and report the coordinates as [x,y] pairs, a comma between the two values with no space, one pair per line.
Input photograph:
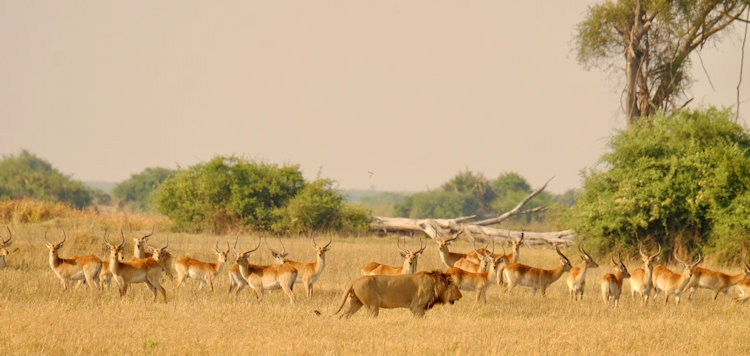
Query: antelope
[612,283]
[236,277]
[4,244]
[75,268]
[743,287]
[481,265]
[137,270]
[508,259]
[448,258]
[261,278]
[409,267]
[673,283]
[536,278]
[641,280]
[205,272]
[716,281]
[307,273]
[166,260]
[577,275]
[477,281]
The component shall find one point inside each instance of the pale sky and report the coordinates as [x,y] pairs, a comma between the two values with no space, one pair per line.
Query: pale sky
[413,91]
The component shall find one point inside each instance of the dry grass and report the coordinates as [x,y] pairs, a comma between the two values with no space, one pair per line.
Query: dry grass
[39,318]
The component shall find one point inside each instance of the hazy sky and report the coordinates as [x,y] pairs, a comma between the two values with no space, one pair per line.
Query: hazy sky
[413,91]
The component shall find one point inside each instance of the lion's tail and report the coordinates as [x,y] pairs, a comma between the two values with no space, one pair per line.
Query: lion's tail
[347,292]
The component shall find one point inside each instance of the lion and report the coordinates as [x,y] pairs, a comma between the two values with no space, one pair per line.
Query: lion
[419,292]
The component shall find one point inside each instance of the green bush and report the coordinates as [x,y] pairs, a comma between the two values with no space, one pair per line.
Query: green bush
[135,191]
[680,176]
[227,192]
[318,207]
[28,176]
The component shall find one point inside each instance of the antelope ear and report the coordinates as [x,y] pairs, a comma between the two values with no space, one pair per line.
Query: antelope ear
[402,254]
[8,243]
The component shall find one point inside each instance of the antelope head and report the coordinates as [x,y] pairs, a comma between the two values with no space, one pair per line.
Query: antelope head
[587,258]
[619,265]
[445,243]
[115,250]
[243,255]
[648,260]
[277,256]
[158,253]
[54,247]
[688,267]
[222,254]
[4,244]
[140,242]
[566,266]
[408,255]
[321,250]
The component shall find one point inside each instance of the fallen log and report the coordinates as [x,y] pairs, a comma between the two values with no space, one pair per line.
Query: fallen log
[437,228]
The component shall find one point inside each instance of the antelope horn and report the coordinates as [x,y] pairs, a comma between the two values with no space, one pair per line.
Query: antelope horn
[421,247]
[674,254]
[522,236]
[10,235]
[283,249]
[698,261]
[640,250]
[398,244]
[557,249]
[216,247]
[45,238]
[657,252]
[313,241]
[149,235]
[237,239]
[167,245]
[330,239]
[65,237]
[256,247]
[227,250]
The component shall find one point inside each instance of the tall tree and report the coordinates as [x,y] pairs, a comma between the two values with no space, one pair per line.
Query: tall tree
[656,38]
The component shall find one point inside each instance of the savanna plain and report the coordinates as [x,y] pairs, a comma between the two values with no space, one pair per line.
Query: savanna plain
[38,317]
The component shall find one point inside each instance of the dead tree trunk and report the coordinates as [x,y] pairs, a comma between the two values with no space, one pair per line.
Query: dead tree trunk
[437,228]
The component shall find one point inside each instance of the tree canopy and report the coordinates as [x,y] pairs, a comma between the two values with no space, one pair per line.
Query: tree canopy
[28,176]
[652,41]
[682,176]
[137,189]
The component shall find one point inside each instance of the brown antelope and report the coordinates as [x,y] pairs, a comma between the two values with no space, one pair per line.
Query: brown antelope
[477,281]
[612,283]
[260,277]
[166,260]
[4,244]
[673,283]
[307,273]
[743,288]
[508,259]
[205,272]
[137,270]
[237,280]
[483,264]
[716,281]
[535,278]
[448,258]
[75,268]
[641,279]
[409,267]
[577,275]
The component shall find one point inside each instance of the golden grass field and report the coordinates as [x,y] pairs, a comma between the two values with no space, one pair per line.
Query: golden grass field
[37,317]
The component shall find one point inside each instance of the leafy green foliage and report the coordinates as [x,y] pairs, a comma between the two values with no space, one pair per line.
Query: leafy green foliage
[681,176]
[28,176]
[135,191]
[472,194]
[319,207]
[227,191]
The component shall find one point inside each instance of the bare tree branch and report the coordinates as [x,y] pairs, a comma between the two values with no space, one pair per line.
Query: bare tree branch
[517,209]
